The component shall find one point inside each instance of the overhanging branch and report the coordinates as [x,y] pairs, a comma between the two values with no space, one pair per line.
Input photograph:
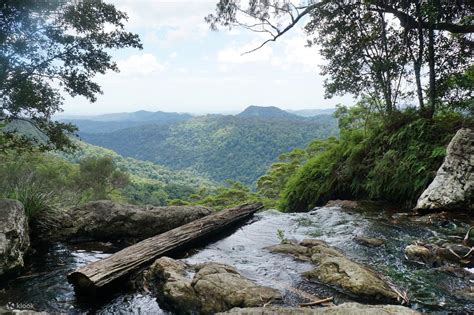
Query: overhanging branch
[294,21]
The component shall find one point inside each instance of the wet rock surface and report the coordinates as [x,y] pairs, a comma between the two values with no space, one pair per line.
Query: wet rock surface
[444,290]
[453,186]
[438,255]
[213,288]
[107,220]
[369,241]
[342,309]
[334,269]
[14,238]
[346,204]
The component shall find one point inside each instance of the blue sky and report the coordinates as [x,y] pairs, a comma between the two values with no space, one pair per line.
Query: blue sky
[186,67]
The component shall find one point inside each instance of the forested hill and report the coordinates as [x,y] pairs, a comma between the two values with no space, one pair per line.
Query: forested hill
[218,146]
[268,112]
[113,122]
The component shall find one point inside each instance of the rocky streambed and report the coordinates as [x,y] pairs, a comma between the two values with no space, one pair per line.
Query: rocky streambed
[373,237]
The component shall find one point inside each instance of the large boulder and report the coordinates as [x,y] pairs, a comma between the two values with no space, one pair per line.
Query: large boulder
[342,309]
[107,220]
[14,238]
[453,186]
[334,269]
[213,288]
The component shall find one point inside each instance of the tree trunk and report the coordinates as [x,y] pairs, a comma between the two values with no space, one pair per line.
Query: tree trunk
[388,82]
[418,61]
[431,63]
[99,274]
[419,88]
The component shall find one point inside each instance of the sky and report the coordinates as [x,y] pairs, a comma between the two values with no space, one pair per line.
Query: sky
[186,67]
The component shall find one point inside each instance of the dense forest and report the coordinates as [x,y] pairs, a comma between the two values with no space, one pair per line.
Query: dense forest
[221,147]
[50,181]
[112,122]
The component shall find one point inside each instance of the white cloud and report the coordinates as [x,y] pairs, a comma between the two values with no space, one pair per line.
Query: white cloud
[296,52]
[141,65]
[175,21]
[235,54]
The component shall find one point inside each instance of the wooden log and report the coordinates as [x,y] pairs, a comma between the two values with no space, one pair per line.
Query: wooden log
[101,273]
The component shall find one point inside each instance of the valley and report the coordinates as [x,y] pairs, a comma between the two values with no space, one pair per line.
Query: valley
[220,147]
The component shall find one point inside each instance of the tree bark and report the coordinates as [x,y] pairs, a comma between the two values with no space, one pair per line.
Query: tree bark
[418,61]
[97,275]
[431,64]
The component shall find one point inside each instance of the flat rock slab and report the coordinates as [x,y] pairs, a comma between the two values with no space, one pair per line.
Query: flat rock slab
[107,220]
[205,288]
[14,237]
[334,269]
[342,309]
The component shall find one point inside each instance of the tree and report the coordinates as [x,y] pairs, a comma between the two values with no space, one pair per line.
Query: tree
[369,44]
[363,52]
[270,184]
[49,47]
[99,176]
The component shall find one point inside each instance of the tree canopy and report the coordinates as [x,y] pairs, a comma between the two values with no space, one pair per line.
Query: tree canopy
[376,48]
[50,47]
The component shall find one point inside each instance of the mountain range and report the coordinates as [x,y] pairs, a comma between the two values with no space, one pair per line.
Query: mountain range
[238,147]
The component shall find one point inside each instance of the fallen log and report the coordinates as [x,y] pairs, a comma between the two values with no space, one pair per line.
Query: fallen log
[101,273]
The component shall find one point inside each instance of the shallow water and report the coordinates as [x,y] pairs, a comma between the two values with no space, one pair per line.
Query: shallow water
[45,288]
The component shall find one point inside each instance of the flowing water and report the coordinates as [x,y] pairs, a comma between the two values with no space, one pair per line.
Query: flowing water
[44,287]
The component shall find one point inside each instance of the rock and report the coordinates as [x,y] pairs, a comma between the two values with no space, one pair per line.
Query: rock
[214,288]
[418,253]
[434,255]
[334,269]
[221,287]
[347,204]
[10,310]
[342,309]
[14,238]
[107,220]
[453,186]
[369,241]
[298,251]
[458,272]
[175,289]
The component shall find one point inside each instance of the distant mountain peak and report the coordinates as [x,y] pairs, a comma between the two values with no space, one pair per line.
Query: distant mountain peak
[265,112]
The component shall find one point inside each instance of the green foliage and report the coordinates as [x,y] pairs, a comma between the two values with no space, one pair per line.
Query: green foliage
[43,181]
[51,46]
[270,184]
[456,90]
[40,182]
[233,194]
[149,183]
[371,48]
[378,158]
[221,147]
[281,237]
[33,197]
[99,176]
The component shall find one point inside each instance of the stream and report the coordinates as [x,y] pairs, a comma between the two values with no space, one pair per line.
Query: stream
[43,287]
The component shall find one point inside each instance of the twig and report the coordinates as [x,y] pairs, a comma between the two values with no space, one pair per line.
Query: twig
[468,253]
[329,299]
[466,238]
[452,252]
